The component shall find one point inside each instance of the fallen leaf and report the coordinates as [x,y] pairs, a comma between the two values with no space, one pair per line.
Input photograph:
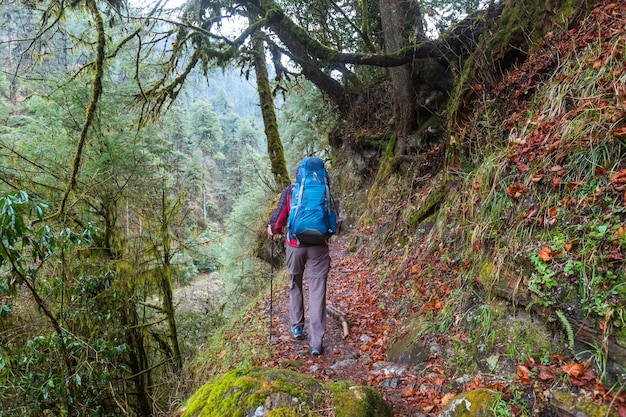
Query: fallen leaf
[515,190]
[546,373]
[574,369]
[545,254]
[523,373]
[522,166]
[438,381]
[599,171]
[620,133]
[447,397]
[619,177]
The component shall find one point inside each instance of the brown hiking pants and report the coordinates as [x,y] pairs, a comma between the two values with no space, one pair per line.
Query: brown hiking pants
[316,260]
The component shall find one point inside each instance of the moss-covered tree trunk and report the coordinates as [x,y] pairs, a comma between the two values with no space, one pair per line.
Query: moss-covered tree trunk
[400,20]
[275,148]
[137,361]
[165,277]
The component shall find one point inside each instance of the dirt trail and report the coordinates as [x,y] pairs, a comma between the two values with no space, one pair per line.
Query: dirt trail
[361,356]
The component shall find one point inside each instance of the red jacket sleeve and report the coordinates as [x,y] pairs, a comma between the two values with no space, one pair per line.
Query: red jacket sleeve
[283,217]
[280,215]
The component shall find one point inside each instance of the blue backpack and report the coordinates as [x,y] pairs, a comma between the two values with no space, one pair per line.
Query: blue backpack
[312,216]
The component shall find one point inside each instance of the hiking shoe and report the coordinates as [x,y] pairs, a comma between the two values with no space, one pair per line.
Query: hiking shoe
[316,351]
[297,332]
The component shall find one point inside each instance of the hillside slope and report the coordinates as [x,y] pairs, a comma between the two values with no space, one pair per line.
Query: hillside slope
[514,247]
[496,257]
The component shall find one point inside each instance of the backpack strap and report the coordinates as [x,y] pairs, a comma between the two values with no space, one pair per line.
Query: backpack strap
[297,207]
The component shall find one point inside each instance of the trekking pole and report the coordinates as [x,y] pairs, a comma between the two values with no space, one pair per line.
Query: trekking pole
[271,283]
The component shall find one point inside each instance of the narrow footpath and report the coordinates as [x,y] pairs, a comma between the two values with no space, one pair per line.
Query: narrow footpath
[357,292]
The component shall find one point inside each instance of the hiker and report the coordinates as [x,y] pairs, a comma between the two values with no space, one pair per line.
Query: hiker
[314,257]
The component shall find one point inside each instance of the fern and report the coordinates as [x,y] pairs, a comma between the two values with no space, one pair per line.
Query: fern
[539,301]
[567,326]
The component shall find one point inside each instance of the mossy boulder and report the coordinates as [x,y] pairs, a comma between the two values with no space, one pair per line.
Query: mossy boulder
[280,393]
[404,345]
[572,404]
[351,400]
[475,403]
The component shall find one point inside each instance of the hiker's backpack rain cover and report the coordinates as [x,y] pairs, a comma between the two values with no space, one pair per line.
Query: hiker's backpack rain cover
[312,217]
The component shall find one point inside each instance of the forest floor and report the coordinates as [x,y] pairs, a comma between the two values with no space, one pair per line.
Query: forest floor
[357,292]
[369,292]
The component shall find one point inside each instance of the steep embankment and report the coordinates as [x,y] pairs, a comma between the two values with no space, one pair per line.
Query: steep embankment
[503,267]
[516,248]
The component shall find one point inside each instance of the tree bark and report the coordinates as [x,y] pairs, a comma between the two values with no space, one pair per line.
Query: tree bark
[398,19]
[275,148]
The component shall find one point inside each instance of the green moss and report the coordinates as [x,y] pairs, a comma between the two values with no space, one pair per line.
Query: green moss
[575,404]
[391,146]
[291,363]
[351,400]
[460,88]
[430,206]
[240,391]
[281,393]
[367,141]
[477,403]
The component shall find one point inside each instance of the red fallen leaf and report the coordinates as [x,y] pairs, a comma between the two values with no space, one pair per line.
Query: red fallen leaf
[619,177]
[602,390]
[574,369]
[599,171]
[577,382]
[438,381]
[558,358]
[537,177]
[409,392]
[447,397]
[569,245]
[556,168]
[556,182]
[522,166]
[552,211]
[621,411]
[573,185]
[476,383]
[515,190]
[589,375]
[620,133]
[545,254]
[523,374]
[546,373]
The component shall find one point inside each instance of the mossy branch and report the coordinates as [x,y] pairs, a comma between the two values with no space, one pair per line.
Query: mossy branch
[93,103]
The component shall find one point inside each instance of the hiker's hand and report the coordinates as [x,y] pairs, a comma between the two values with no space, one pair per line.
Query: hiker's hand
[269,230]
